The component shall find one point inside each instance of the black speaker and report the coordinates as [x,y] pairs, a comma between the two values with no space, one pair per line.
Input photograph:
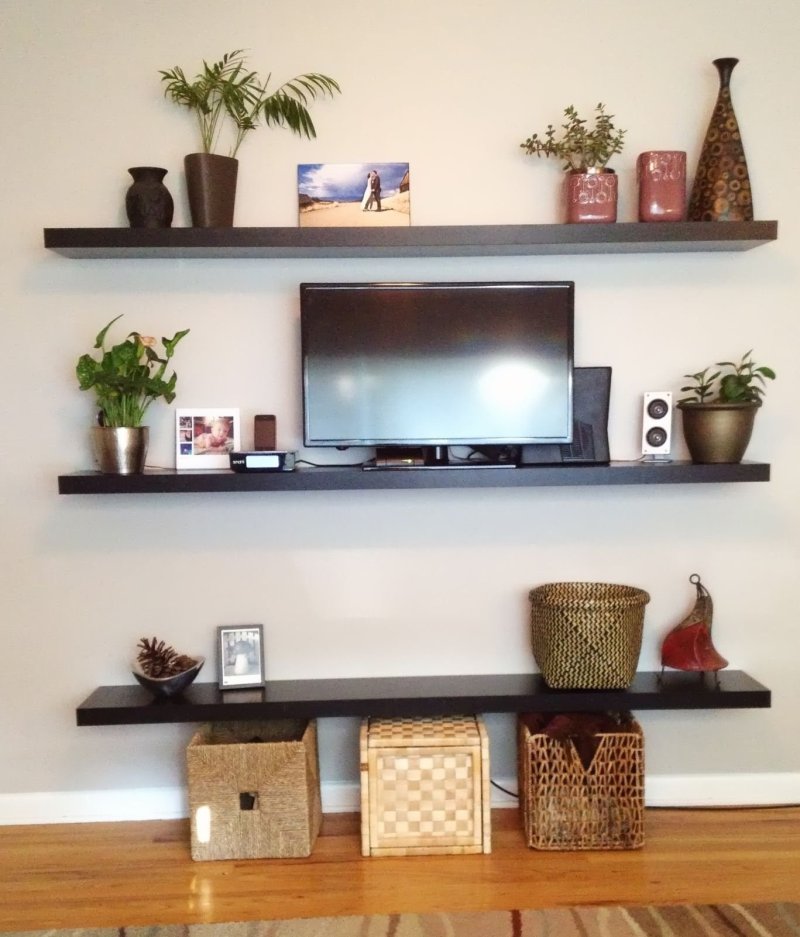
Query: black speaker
[591,391]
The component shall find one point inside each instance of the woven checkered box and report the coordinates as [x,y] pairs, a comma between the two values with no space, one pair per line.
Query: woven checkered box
[424,786]
[254,789]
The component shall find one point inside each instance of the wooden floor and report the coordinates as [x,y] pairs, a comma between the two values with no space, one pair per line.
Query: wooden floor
[111,874]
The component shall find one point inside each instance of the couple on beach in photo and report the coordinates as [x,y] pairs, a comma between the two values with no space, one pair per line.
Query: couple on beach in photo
[372,192]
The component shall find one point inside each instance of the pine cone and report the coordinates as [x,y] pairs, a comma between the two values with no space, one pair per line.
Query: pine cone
[182,662]
[161,660]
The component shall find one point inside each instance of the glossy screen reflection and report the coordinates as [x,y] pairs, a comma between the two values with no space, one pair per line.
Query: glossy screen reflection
[437,364]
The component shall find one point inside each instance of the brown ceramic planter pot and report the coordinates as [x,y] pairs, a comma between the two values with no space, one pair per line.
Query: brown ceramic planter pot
[591,196]
[211,184]
[717,432]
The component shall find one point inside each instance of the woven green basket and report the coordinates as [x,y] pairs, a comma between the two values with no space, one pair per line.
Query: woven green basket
[587,635]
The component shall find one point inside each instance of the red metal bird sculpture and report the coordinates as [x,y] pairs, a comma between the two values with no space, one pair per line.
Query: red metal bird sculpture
[689,646]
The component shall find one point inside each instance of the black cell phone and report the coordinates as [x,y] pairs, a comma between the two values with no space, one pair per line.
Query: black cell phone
[264,429]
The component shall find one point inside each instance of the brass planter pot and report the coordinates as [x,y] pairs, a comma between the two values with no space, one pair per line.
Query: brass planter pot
[120,450]
[717,432]
[211,185]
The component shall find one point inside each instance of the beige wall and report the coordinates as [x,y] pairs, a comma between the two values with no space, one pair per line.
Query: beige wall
[408,582]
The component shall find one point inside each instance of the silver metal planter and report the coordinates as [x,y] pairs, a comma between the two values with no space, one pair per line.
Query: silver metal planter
[120,450]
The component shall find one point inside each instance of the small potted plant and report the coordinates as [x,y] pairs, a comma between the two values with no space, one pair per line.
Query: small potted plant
[226,96]
[591,187]
[126,379]
[720,409]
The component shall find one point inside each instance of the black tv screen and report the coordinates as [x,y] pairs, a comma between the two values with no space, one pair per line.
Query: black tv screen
[437,364]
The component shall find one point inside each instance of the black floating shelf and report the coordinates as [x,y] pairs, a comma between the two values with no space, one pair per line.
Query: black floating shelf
[412,241]
[343,478]
[418,696]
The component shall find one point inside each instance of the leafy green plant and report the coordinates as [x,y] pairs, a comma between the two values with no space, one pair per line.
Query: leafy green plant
[226,89]
[581,148]
[702,388]
[129,376]
[744,382]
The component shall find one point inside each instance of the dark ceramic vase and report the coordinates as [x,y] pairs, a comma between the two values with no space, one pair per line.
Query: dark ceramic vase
[211,185]
[721,190]
[148,202]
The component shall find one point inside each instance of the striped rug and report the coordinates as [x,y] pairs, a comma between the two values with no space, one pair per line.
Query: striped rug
[714,920]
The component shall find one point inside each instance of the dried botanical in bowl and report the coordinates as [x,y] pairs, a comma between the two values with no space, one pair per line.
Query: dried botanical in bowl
[162,670]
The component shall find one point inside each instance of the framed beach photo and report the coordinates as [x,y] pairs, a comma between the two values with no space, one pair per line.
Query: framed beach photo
[204,439]
[240,656]
[352,195]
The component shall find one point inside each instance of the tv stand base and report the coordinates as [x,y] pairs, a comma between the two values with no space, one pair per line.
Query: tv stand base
[424,457]
[448,466]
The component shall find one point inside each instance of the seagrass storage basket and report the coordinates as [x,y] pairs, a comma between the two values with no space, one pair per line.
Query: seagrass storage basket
[587,635]
[567,805]
[424,786]
[254,789]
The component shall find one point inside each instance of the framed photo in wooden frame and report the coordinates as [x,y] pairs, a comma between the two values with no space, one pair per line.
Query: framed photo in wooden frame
[240,656]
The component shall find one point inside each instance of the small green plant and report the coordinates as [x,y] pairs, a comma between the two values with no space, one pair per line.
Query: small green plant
[579,147]
[702,388]
[744,382]
[129,376]
[226,89]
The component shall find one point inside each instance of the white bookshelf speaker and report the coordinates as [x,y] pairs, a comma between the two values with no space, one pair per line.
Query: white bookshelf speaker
[657,423]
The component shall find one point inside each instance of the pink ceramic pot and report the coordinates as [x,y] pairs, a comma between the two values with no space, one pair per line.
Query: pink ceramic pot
[662,185]
[591,196]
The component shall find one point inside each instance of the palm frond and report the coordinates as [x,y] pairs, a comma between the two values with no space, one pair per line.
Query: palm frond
[226,88]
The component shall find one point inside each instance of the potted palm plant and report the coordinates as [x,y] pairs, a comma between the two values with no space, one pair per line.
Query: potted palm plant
[591,187]
[126,379]
[719,413]
[225,97]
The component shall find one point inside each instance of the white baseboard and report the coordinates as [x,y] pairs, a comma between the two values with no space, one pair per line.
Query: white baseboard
[723,790]
[699,790]
[156,803]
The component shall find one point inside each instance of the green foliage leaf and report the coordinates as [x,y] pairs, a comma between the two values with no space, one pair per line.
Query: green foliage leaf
[744,382]
[128,376]
[101,335]
[579,147]
[225,89]
[170,343]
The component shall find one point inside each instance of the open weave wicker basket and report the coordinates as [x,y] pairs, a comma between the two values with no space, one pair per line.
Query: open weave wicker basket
[566,805]
[587,635]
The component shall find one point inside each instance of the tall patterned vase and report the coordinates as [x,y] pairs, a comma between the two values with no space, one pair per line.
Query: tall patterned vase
[721,190]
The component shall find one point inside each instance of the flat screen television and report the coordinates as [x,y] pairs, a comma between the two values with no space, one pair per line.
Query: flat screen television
[437,365]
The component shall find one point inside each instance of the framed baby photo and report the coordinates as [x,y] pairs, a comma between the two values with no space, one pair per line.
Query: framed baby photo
[363,195]
[204,439]
[240,655]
